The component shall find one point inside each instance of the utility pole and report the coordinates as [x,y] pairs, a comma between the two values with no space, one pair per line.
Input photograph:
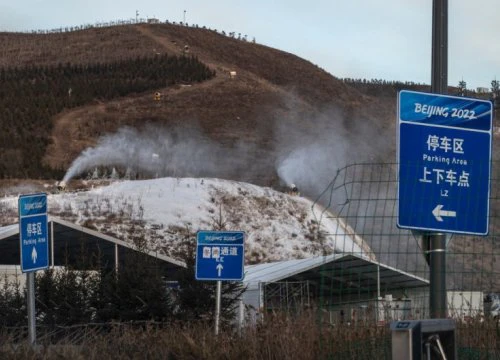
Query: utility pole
[439,68]
[136,15]
[184,22]
[435,243]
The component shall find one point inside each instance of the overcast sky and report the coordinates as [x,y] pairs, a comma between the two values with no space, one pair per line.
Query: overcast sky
[388,39]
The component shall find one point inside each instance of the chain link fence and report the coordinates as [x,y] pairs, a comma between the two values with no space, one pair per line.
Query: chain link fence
[364,196]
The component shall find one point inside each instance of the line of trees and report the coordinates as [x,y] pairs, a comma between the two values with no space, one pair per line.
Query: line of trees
[122,22]
[380,87]
[30,96]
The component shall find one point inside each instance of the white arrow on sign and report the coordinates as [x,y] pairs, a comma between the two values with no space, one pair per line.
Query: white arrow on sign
[34,255]
[439,213]
[219,269]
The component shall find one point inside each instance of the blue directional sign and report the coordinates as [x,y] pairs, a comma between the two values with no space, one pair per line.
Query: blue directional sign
[220,255]
[444,156]
[34,241]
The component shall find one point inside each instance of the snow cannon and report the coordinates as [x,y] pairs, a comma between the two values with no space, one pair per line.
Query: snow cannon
[61,185]
[293,189]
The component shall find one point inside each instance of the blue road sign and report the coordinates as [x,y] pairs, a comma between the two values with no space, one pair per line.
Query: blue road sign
[220,255]
[444,156]
[33,235]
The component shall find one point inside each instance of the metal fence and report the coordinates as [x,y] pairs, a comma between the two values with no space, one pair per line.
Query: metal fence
[364,196]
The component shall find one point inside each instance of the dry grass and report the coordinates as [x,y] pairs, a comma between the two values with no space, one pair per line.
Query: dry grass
[279,338]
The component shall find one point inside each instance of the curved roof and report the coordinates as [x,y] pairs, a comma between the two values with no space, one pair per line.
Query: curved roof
[72,242]
[345,268]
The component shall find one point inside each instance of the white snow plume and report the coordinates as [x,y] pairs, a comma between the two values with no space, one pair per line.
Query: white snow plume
[180,152]
[309,166]
[311,150]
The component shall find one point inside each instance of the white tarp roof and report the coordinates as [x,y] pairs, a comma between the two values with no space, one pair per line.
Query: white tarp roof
[68,237]
[6,231]
[352,266]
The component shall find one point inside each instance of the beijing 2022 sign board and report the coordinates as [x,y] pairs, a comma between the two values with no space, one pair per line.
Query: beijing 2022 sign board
[444,157]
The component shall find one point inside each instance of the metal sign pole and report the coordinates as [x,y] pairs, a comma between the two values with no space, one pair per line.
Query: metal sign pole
[437,263]
[439,85]
[30,284]
[217,306]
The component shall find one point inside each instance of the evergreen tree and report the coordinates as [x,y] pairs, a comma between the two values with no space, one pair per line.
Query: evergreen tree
[495,93]
[462,88]
[13,310]
[495,86]
[136,292]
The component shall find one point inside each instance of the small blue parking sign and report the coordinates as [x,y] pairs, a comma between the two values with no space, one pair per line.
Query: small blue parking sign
[444,157]
[220,255]
[33,234]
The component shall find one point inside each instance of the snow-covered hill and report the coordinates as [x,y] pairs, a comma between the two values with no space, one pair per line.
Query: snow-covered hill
[168,211]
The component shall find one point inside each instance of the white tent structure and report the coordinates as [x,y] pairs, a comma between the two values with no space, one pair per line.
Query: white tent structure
[330,282]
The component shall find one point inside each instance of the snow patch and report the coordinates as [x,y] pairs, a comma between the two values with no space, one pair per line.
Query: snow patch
[166,211]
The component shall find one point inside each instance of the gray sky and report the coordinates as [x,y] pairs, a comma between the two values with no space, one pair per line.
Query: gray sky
[388,39]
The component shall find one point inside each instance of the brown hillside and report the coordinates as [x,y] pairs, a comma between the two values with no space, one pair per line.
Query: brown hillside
[272,90]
